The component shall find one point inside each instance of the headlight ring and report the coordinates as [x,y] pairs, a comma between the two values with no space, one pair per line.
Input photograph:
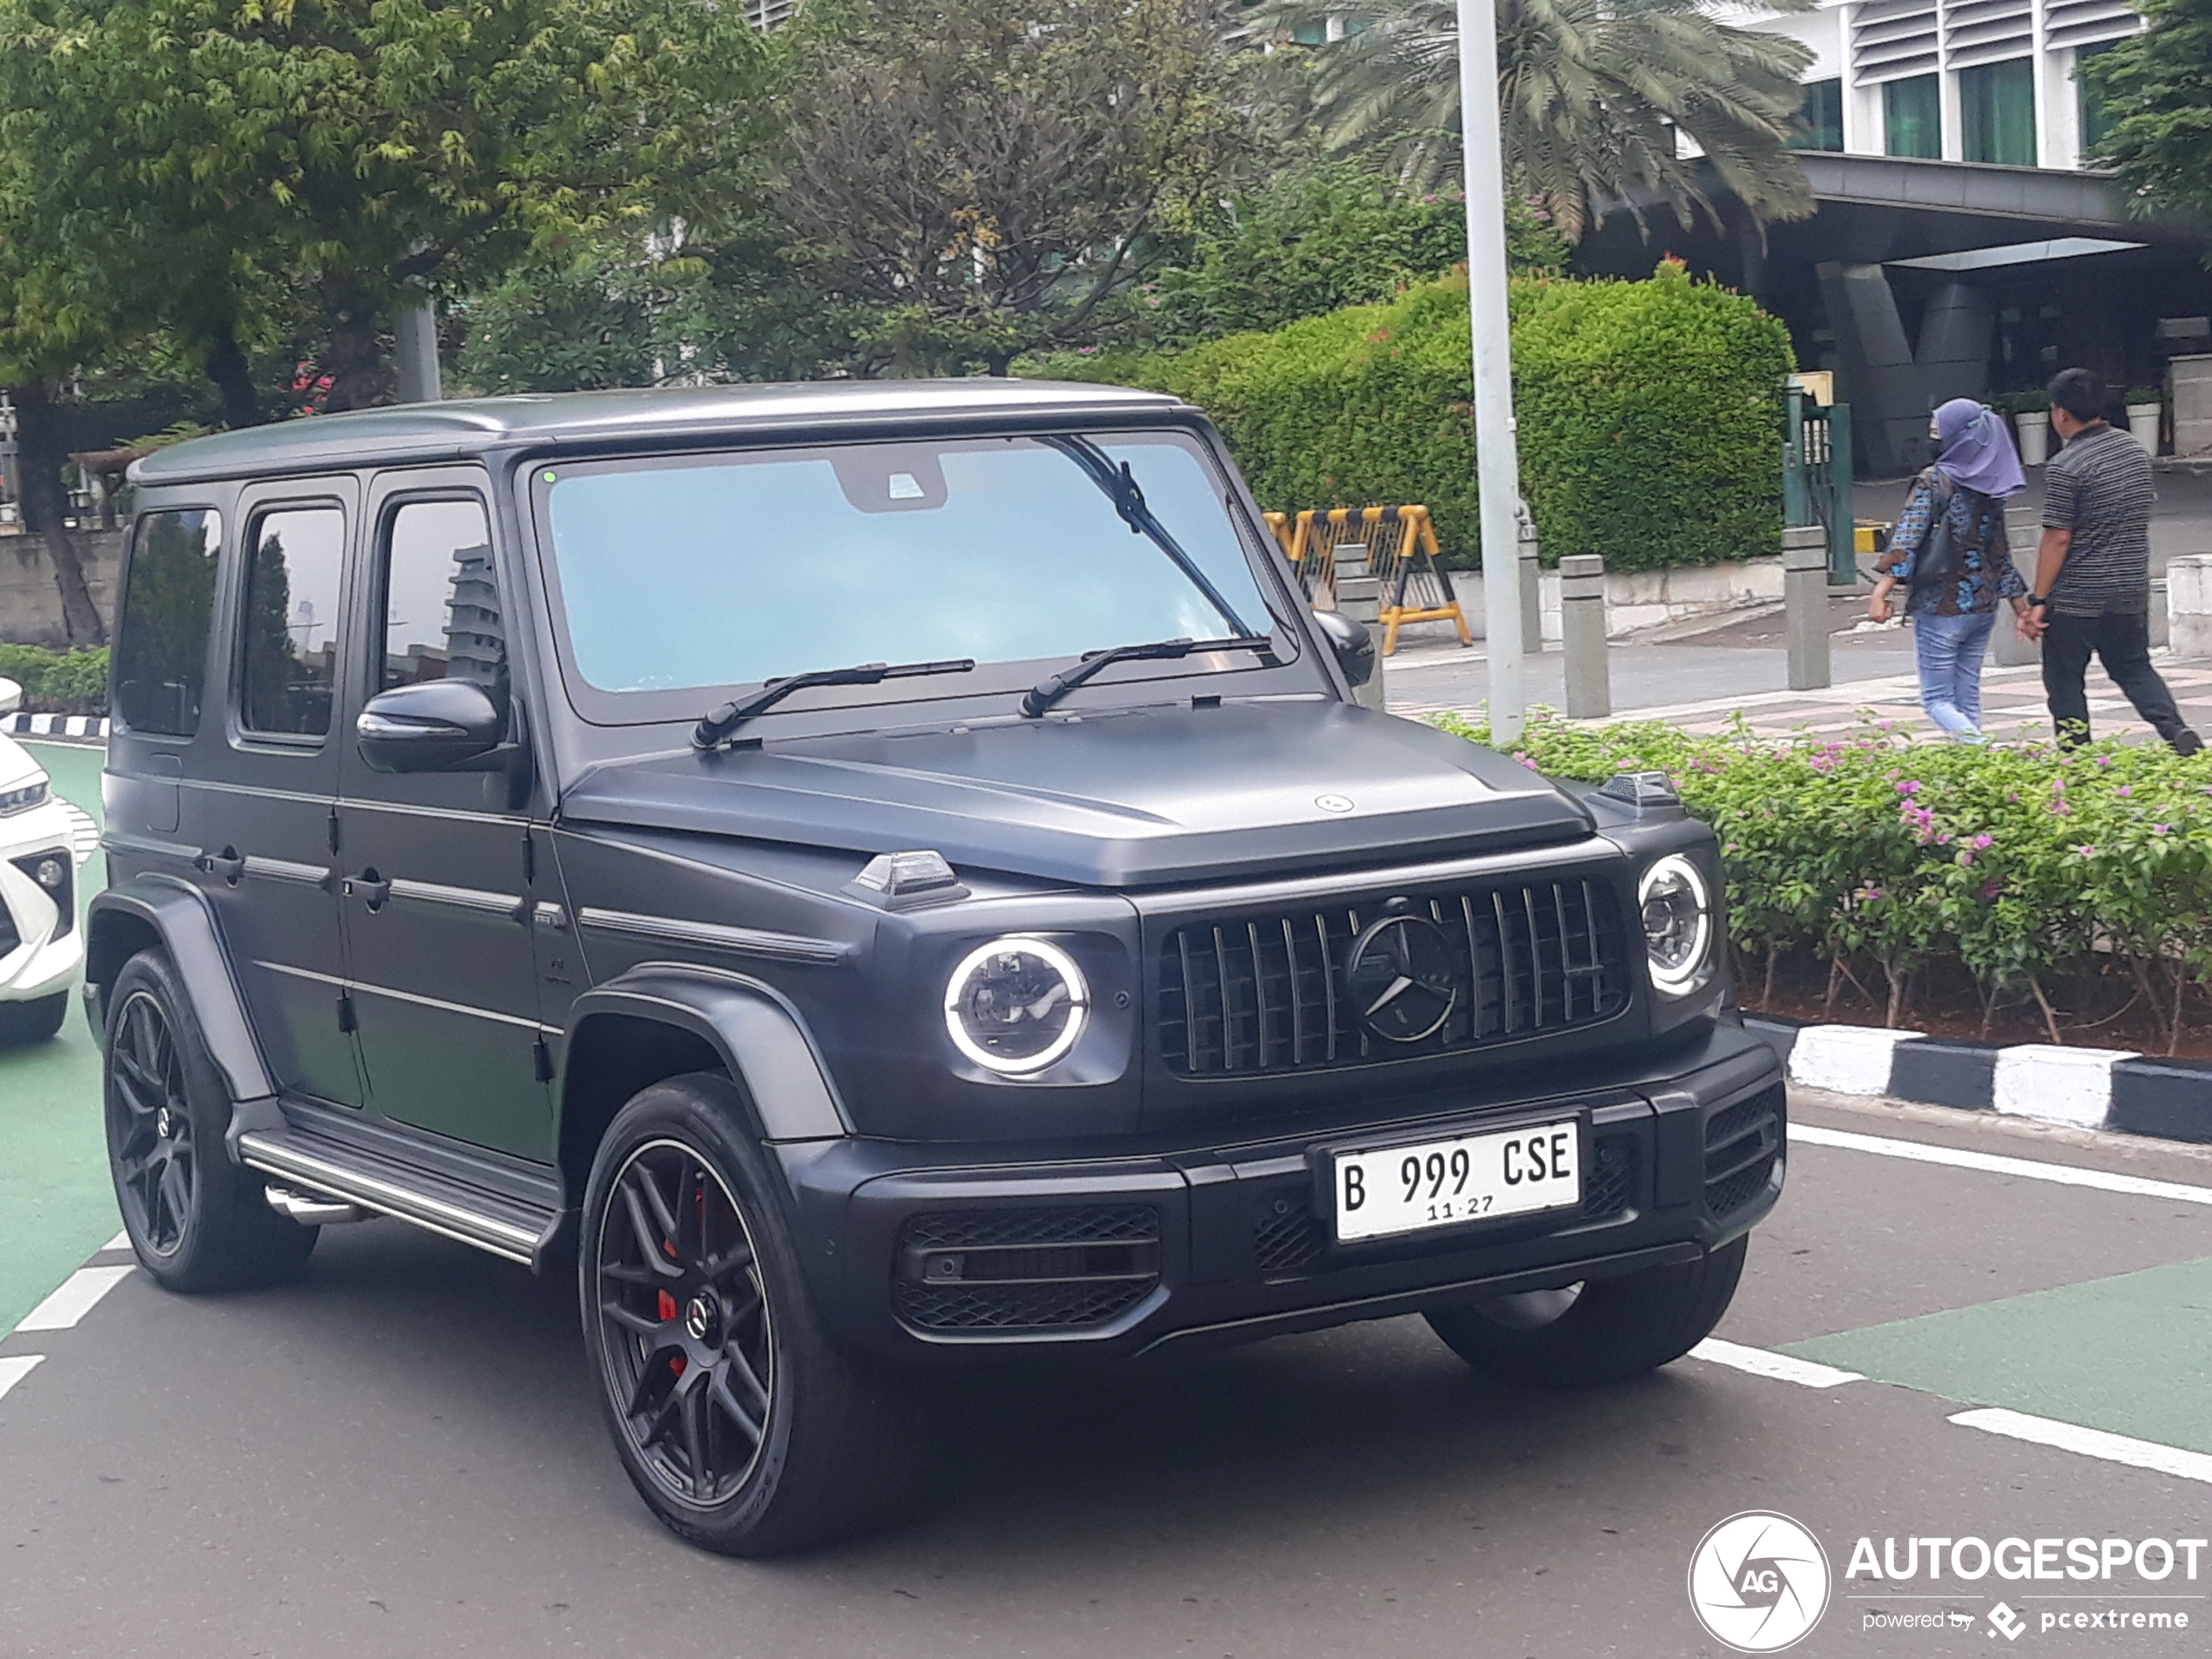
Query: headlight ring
[1016,1005]
[1677,914]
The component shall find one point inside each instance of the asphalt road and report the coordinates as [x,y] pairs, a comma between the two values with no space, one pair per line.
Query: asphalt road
[399,1453]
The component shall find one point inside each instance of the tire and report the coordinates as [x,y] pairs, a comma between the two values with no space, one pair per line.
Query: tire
[197,1221]
[743,1425]
[1600,1331]
[33,1022]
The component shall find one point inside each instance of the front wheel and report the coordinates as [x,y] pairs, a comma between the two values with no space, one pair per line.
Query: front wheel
[743,1427]
[1599,1332]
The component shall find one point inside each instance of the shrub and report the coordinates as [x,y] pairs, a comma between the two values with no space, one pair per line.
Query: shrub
[57,682]
[2034,868]
[1650,413]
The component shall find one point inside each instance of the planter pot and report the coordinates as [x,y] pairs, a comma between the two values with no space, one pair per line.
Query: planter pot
[2035,437]
[2142,421]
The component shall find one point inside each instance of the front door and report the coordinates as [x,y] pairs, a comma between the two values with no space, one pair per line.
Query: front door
[263,800]
[439,888]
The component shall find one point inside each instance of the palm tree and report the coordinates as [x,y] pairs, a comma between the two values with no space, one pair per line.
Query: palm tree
[1594,97]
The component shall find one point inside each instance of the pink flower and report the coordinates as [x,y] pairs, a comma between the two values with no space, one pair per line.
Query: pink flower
[2158,829]
[1981,842]
[2126,790]
[1908,789]
[1991,888]
[2104,761]
[2085,850]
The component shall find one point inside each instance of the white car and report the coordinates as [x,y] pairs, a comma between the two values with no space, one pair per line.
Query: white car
[41,946]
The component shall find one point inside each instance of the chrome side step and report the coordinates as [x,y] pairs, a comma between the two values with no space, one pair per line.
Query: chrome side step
[499,1222]
[312,1209]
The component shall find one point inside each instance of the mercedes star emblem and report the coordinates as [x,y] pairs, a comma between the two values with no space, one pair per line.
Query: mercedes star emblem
[1399,976]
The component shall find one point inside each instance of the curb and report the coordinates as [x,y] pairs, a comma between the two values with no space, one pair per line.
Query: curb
[2106,1089]
[55,725]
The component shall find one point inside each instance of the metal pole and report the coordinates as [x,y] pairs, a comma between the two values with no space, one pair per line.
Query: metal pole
[1581,627]
[414,345]
[1496,459]
[1532,583]
[1804,603]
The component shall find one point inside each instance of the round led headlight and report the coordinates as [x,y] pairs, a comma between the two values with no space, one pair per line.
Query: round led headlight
[1016,1005]
[1677,923]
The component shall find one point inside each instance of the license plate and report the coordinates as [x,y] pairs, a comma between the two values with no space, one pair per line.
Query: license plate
[1471,1177]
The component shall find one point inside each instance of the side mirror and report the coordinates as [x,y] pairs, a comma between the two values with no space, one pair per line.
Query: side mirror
[1350,640]
[10,696]
[436,726]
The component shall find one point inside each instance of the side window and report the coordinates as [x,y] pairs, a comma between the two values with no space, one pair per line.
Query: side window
[168,602]
[441,610]
[294,567]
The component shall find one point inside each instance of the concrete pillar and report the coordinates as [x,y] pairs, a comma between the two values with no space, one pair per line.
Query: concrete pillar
[1804,602]
[1953,350]
[1360,597]
[1532,591]
[2192,395]
[1582,621]
[2189,607]
[415,351]
[2023,532]
[1878,377]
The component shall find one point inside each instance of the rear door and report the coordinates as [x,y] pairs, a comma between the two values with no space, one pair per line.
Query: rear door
[440,865]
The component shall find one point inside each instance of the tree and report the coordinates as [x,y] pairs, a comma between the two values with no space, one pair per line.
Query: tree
[233,165]
[1592,95]
[968,180]
[2157,90]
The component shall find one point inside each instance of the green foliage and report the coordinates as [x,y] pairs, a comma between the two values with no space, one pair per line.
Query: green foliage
[1650,423]
[53,682]
[2028,865]
[2156,90]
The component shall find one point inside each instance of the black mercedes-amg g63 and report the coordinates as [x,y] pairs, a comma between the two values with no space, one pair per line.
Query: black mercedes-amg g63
[875,875]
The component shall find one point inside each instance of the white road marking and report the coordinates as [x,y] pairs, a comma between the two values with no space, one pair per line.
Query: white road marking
[121,1241]
[2065,1175]
[77,1296]
[2090,1442]
[1780,1366]
[15,1367]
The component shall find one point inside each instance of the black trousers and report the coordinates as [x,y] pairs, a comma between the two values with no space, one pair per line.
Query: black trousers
[2122,643]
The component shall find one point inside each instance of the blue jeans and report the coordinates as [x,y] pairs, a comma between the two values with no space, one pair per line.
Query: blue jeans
[1950,651]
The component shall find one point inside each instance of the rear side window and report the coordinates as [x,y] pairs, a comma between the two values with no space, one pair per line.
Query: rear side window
[442,618]
[168,602]
[294,567]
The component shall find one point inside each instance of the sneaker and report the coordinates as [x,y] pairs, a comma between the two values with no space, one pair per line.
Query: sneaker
[2186,742]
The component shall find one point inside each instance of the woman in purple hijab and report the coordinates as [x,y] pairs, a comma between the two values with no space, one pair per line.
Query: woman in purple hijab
[1949,553]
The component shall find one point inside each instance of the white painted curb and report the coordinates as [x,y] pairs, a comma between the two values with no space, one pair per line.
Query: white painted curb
[1846,1059]
[2070,1086]
[54,726]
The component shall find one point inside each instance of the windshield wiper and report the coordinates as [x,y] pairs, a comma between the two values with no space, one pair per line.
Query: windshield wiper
[720,722]
[1120,487]
[1045,693]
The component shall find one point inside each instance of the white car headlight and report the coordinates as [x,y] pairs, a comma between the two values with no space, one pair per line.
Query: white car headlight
[1677,923]
[23,797]
[1017,1004]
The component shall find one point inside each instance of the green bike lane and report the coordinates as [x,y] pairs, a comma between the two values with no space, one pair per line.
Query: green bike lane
[56,1205]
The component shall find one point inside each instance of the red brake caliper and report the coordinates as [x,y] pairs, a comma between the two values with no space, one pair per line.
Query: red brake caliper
[666,1309]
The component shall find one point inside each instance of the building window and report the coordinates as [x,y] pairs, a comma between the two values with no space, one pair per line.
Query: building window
[2097,118]
[1820,119]
[1913,118]
[1997,112]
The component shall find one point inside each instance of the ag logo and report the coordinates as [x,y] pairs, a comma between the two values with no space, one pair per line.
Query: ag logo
[1399,975]
[1758,1583]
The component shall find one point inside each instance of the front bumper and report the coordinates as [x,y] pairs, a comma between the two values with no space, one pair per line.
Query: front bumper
[1118,1255]
[41,946]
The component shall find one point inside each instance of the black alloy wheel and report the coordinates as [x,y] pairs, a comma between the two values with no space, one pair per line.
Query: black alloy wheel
[685,1325]
[197,1220]
[157,1167]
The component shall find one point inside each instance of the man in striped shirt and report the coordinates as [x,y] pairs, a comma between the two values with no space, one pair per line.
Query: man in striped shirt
[2093,570]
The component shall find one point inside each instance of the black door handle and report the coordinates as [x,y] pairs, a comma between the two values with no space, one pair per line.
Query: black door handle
[371,889]
[229,864]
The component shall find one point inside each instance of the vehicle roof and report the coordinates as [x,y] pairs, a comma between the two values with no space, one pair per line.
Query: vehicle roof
[472,426]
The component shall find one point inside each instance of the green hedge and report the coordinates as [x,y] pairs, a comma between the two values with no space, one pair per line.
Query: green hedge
[57,682]
[1650,413]
[2055,879]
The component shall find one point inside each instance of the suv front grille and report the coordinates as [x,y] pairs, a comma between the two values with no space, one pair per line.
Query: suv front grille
[1069,1269]
[1260,994]
[1741,1142]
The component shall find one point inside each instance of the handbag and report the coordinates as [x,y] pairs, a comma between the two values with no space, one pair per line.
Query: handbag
[1935,560]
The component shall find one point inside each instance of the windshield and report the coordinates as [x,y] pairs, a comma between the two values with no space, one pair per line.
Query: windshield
[684,573]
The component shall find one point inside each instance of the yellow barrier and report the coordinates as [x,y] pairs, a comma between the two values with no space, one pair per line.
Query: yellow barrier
[1401,552]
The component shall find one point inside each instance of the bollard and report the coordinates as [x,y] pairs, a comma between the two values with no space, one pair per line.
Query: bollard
[1804,598]
[2023,533]
[2189,607]
[1532,591]
[1360,597]
[1582,624]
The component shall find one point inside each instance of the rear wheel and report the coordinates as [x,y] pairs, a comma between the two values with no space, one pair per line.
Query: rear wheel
[741,1423]
[33,1022]
[197,1221]
[1599,1332]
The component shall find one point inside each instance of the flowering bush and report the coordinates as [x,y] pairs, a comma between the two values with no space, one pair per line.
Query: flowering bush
[2032,867]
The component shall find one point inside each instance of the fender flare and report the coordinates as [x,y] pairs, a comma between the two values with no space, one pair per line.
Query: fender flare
[180,918]
[761,1037]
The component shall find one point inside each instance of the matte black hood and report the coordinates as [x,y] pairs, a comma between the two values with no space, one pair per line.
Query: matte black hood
[1142,798]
